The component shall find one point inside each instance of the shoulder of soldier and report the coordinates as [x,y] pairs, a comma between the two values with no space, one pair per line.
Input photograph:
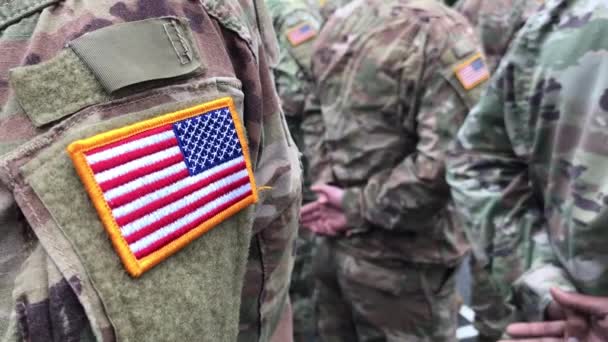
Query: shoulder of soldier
[448,32]
[288,13]
[250,19]
[452,49]
[296,26]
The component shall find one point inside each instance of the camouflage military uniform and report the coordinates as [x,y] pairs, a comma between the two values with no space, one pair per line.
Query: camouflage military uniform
[531,155]
[328,7]
[497,22]
[66,281]
[296,25]
[390,103]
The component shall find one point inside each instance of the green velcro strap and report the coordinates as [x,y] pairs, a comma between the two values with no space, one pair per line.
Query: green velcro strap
[135,52]
[102,62]
[51,90]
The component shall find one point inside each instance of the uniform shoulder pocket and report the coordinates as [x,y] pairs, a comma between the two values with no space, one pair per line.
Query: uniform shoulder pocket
[93,67]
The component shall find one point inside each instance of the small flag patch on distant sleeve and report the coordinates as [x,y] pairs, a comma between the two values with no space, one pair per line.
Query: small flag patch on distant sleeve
[159,184]
[301,34]
[472,72]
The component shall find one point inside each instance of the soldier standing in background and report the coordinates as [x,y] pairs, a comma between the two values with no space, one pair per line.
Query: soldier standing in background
[297,25]
[497,22]
[394,80]
[531,157]
[74,70]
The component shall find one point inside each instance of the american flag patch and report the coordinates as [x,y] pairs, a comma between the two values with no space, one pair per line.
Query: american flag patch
[472,72]
[159,184]
[301,34]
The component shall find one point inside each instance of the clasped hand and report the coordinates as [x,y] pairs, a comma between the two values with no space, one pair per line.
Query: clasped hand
[325,216]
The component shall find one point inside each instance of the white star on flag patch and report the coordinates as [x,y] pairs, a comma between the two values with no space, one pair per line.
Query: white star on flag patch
[472,72]
[159,184]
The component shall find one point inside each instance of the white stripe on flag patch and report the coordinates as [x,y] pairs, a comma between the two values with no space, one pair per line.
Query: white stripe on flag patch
[168,190]
[159,234]
[129,147]
[144,181]
[177,205]
[137,164]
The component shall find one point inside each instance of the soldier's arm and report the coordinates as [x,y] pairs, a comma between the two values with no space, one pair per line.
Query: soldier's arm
[415,189]
[314,149]
[493,193]
[296,33]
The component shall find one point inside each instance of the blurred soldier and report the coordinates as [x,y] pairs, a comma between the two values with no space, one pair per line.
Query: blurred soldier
[497,22]
[531,157]
[394,80]
[139,92]
[297,26]
[328,7]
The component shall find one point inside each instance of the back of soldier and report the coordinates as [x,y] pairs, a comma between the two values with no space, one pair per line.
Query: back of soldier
[117,246]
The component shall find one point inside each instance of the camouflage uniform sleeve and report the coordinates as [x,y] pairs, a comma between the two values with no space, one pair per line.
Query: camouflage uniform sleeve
[491,187]
[314,150]
[416,188]
[292,73]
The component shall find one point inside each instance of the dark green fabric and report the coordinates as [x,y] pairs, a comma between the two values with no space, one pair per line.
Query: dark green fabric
[51,90]
[130,53]
[192,296]
[13,10]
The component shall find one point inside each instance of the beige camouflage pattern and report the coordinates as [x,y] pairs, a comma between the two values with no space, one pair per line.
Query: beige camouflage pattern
[293,79]
[497,22]
[530,156]
[44,285]
[387,105]
[387,300]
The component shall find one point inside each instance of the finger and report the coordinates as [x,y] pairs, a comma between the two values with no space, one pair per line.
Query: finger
[308,208]
[322,198]
[311,216]
[326,228]
[588,304]
[539,329]
[321,191]
[576,325]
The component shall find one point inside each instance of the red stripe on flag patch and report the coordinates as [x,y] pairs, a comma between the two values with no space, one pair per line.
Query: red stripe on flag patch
[171,217]
[138,173]
[161,183]
[167,239]
[172,197]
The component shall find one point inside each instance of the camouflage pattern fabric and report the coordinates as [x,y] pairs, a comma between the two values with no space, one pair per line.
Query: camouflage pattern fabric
[51,287]
[328,7]
[379,125]
[530,156]
[497,22]
[294,85]
[388,301]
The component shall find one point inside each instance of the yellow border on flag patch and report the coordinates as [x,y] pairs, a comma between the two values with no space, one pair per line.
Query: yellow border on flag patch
[77,151]
[464,64]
